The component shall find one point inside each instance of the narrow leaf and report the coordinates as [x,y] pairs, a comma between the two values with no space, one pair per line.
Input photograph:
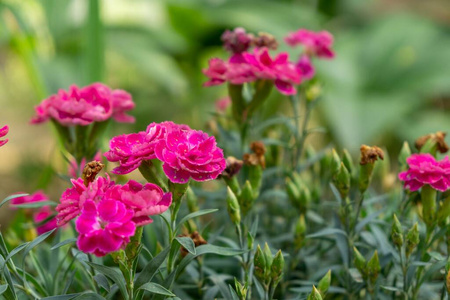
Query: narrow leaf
[187,243]
[155,288]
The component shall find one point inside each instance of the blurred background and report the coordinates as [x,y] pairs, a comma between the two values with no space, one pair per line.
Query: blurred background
[390,80]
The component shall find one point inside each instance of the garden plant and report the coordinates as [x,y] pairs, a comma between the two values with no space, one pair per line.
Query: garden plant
[246,209]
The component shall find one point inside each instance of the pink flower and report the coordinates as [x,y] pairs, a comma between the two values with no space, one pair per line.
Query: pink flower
[216,72]
[145,200]
[104,227]
[305,67]
[237,41]
[36,197]
[73,199]
[315,43]
[223,104]
[190,153]
[3,131]
[424,169]
[279,69]
[40,216]
[83,106]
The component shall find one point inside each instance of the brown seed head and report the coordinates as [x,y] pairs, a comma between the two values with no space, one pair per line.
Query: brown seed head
[265,40]
[91,169]
[370,154]
[257,157]
[438,138]
[233,167]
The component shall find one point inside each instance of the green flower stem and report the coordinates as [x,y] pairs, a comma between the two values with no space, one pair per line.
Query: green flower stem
[358,211]
[404,265]
[295,108]
[422,258]
[147,170]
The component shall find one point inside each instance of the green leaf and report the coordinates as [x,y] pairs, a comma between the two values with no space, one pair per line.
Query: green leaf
[14,252]
[325,232]
[9,198]
[36,242]
[89,296]
[102,281]
[61,297]
[155,288]
[8,279]
[63,243]
[194,215]
[187,243]
[3,288]
[114,275]
[151,268]
[37,204]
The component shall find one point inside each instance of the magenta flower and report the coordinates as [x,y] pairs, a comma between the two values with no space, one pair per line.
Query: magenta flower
[305,67]
[83,106]
[72,200]
[40,216]
[3,131]
[237,41]
[145,200]
[36,197]
[190,153]
[216,72]
[424,169]
[104,227]
[315,43]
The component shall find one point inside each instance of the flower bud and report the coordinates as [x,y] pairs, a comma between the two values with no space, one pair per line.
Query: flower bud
[233,166]
[250,241]
[360,263]
[177,190]
[342,181]
[324,283]
[241,290]
[397,232]
[269,259]
[277,267]
[246,198]
[313,92]
[255,177]
[292,192]
[299,235]
[233,207]
[335,162]
[412,239]
[428,197]
[192,200]
[305,198]
[348,161]
[373,267]
[315,294]
[432,142]
[259,261]
[405,152]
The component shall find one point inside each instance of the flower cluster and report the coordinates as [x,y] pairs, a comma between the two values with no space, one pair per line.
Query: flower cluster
[186,153]
[3,131]
[43,216]
[245,66]
[83,106]
[108,213]
[425,169]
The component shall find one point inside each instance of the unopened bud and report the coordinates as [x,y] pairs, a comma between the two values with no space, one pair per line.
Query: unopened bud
[292,192]
[313,92]
[397,232]
[233,207]
[342,181]
[277,267]
[324,283]
[348,161]
[314,295]
[360,263]
[405,152]
[412,239]
[246,198]
[335,162]
[373,267]
[300,229]
[255,174]
[241,290]
[269,259]
[259,261]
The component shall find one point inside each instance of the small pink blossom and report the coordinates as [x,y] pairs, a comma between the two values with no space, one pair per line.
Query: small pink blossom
[237,41]
[72,200]
[190,153]
[36,197]
[223,104]
[3,131]
[145,200]
[305,67]
[104,227]
[83,106]
[216,72]
[424,169]
[315,43]
[40,216]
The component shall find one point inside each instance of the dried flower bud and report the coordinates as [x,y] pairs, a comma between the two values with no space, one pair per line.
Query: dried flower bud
[373,267]
[360,263]
[324,283]
[397,232]
[370,154]
[437,141]
[233,207]
[265,40]
[91,169]
[237,41]
[412,239]
[233,166]
[315,294]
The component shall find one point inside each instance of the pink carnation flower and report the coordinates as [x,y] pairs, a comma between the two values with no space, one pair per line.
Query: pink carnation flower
[305,67]
[131,149]
[83,106]
[104,227]
[40,216]
[145,200]
[424,169]
[216,72]
[316,43]
[237,41]
[3,131]
[190,153]
[36,197]
[72,200]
